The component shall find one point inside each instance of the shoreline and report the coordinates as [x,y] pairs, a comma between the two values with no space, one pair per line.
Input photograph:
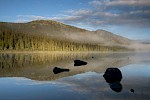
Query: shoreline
[30,52]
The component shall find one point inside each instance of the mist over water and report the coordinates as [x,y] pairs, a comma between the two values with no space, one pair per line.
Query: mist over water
[139,47]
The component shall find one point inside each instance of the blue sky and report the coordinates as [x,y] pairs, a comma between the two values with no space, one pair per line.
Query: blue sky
[129,18]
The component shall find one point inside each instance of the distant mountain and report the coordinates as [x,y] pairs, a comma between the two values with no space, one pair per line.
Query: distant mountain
[63,32]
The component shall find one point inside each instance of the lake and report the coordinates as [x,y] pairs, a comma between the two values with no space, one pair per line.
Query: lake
[30,76]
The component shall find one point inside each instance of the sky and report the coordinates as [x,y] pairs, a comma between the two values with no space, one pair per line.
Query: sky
[128,18]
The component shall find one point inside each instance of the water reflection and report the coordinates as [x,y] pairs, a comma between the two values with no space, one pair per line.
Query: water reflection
[79,63]
[40,66]
[23,60]
[92,86]
[116,86]
[85,82]
[57,70]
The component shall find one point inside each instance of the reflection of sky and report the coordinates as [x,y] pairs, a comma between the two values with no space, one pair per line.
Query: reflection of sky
[136,70]
[25,89]
[86,86]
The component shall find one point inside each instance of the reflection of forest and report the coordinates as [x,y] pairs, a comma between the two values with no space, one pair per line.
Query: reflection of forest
[22,60]
[40,66]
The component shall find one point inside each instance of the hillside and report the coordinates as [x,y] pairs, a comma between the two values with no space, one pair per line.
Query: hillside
[60,30]
[40,27]
[44,33]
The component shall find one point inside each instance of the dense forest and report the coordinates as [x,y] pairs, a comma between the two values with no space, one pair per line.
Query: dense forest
[21,41]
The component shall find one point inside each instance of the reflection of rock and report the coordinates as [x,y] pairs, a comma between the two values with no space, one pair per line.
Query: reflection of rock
[113,76]
[116,86]
[57,70]
[79,63]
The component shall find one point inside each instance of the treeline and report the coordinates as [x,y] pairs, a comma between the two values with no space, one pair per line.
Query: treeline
[20,41]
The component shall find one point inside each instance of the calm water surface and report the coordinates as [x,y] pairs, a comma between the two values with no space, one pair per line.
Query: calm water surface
[31,77]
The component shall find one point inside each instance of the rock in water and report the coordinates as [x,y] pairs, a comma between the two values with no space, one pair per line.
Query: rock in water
[112,75]
[57,70]
[132,90]
[79,63]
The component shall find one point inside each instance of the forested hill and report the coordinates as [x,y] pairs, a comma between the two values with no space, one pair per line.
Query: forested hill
[54,36]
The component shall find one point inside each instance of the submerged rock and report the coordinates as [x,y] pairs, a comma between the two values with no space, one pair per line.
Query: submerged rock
[132,90]
[112,75]
[57,70]
[79,63]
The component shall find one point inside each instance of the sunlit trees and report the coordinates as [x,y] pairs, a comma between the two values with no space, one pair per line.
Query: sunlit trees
[20,41]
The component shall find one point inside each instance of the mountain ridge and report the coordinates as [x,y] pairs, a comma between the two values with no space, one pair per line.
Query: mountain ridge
[102,34]
[63,32]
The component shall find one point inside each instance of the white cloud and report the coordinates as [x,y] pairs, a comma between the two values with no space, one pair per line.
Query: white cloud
[96,2]
[82,12]
[26,18]
[112,12]
[128,2]
[103,13]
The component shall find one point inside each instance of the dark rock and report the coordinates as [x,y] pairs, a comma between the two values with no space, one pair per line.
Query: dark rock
[112,75]
[57,70]
[79,63]
[92,57]
[116,86]
[132,90]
